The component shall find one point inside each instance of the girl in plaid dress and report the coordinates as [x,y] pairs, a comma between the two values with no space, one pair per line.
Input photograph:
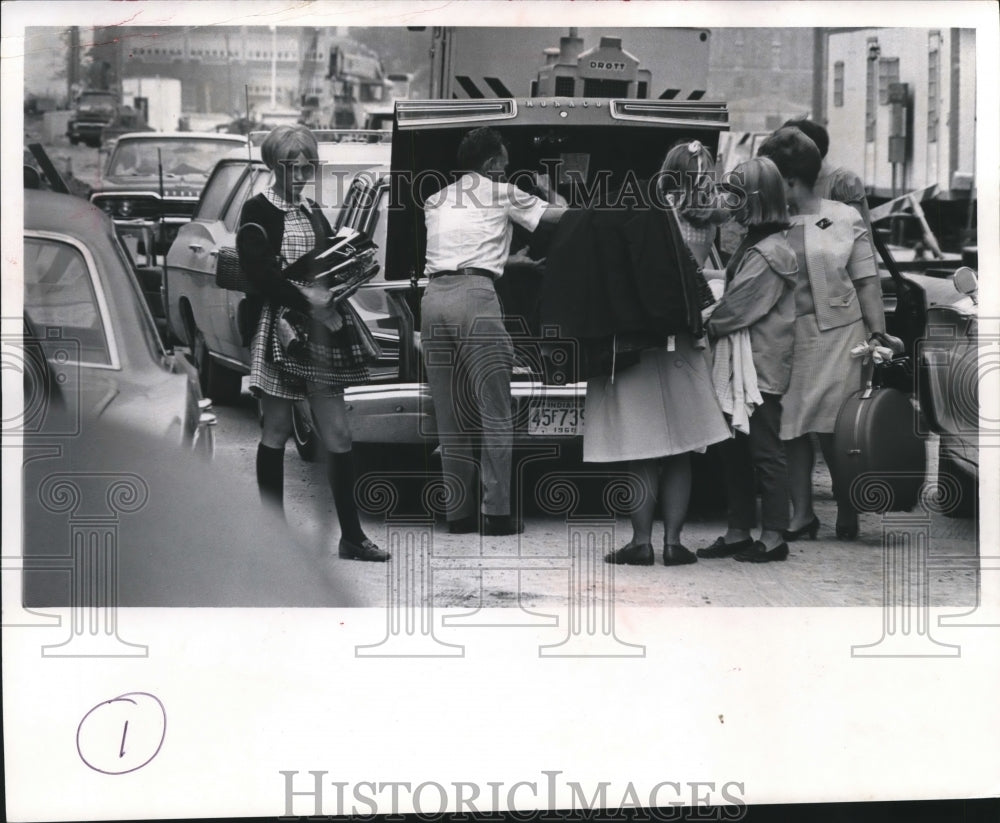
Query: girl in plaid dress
[278,228]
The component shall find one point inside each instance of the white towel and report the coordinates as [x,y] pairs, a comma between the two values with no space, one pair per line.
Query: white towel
[735,378]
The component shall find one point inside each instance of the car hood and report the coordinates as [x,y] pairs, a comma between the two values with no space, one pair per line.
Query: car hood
[941,291]
[188,185]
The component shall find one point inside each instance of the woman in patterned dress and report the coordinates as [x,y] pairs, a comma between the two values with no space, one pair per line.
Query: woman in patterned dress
[655,413]
[278,229]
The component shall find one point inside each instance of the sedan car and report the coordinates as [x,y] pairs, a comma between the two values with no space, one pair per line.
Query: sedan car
[153,180]
[86,317]
[593,143]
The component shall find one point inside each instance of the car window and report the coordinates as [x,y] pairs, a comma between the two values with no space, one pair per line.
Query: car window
[59,295]
[178,157]
[213,198]
[251,185]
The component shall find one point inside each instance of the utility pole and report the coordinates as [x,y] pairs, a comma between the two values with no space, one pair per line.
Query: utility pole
[73,63]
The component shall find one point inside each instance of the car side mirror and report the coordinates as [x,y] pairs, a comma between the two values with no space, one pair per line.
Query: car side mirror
[965,281]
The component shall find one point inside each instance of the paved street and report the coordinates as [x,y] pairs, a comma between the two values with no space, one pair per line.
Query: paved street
[824,572]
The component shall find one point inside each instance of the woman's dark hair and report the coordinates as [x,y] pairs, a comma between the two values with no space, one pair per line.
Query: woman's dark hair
[814,131]
[795,155]
[478,147]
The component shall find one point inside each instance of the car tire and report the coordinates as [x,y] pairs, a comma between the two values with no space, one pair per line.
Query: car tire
[968,488]
[74,141]
[304,432]
[217,382]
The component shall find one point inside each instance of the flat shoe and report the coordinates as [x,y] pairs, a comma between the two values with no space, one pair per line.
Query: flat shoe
[674,554]
[365,550]
[720,548]
[639,554]
[758,553]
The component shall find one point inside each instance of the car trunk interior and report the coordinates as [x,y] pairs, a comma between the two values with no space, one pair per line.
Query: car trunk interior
[589,164]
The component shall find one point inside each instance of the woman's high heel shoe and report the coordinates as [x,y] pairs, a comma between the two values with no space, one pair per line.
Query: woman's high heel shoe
[809,528]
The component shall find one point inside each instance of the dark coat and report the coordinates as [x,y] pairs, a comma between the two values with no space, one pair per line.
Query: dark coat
[260,253]
[621,276]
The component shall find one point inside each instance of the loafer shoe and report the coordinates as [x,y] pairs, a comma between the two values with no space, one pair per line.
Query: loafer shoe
[674,554]
[720,548]
[758,553]
[365,550]
[638,554]
[497,525]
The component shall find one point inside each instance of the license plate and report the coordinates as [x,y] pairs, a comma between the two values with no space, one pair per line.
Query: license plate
[555,417]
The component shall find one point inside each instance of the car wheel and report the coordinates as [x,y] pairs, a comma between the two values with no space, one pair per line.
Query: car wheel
[74,141]
[304,432]
[221,384]
[968,487]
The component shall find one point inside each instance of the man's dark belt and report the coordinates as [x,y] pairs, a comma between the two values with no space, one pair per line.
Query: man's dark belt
[466,271]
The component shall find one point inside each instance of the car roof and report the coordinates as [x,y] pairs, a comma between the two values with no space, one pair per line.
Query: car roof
[63,213]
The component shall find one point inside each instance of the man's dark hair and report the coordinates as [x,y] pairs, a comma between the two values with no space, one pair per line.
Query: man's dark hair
[814,131]
[477,147]
[794,154]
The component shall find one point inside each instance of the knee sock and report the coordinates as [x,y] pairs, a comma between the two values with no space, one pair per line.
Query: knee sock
[271,474]
[340,471]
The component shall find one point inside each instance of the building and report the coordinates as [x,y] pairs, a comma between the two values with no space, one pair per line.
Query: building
[764,75]
[220,66]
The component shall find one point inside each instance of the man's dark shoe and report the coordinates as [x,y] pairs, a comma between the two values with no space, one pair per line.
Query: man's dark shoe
[634,554]
[498,525]
[365,550]
[674,554]
[464,525]
[720,548]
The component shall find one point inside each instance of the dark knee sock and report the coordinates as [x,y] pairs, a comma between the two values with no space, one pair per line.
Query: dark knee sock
[271,474]
[340,471]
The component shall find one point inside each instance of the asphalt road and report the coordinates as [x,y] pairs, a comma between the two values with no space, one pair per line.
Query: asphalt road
[530,570]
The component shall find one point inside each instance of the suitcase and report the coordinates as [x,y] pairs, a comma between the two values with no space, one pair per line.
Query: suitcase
[876,439]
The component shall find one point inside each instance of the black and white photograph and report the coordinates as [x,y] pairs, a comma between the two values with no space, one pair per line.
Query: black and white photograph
[365,362]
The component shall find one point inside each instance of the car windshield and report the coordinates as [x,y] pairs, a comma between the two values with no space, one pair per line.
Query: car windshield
[135,158]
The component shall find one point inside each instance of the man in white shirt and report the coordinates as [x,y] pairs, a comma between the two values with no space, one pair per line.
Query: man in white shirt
[467,351]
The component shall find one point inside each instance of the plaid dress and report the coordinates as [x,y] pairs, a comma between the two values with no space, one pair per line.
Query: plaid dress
[333,359]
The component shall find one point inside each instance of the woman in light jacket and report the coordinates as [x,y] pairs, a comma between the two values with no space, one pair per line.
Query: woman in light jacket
[759,297]
[838,304]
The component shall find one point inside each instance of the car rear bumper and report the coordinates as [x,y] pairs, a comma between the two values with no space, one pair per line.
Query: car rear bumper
[403,413]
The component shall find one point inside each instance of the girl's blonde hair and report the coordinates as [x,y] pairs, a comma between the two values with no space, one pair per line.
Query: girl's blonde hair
[762,192]
[285,142]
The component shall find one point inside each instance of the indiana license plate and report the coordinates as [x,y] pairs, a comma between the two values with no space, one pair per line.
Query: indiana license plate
[555,417]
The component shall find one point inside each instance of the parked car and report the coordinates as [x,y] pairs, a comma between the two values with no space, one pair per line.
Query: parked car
[86,317]
[215,323]
[92,112]
[184,534]
[152,180]
[598,143]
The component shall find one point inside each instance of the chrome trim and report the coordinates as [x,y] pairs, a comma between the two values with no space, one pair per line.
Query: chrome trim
[453,111]
[243,368]
[102,302]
